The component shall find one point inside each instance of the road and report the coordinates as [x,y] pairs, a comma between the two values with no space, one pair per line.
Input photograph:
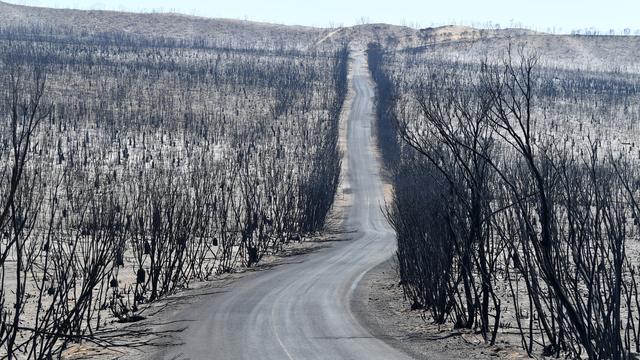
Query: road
[302,310]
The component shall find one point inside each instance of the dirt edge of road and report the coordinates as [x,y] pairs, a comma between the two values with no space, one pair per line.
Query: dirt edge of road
[380,306]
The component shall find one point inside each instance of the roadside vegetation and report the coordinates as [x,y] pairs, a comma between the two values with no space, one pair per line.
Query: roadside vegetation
[131,166]
[516,192]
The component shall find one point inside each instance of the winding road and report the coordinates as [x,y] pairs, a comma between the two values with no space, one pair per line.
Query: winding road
[304,310]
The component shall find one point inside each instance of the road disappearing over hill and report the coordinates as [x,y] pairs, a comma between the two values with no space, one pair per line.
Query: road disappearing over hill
[303,310]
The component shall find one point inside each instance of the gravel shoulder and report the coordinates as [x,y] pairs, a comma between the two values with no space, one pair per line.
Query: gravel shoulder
[382,308]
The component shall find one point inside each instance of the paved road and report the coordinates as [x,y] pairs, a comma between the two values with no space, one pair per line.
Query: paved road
[302,310]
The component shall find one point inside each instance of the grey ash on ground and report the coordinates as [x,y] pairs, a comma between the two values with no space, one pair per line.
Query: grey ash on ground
[384,309]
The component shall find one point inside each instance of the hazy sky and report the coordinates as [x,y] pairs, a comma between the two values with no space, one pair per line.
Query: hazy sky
[563,15]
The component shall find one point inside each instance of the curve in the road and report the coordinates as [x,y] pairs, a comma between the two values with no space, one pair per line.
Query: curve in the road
[302,310]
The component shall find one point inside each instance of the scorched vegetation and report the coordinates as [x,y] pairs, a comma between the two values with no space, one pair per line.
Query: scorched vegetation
[516,195]
[132,166]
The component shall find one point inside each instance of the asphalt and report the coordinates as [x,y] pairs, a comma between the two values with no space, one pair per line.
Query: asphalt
[306,310]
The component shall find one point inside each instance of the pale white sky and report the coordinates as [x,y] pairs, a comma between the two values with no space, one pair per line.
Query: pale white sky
[544,15]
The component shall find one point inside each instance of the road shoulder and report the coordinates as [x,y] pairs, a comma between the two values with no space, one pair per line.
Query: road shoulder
[380,306]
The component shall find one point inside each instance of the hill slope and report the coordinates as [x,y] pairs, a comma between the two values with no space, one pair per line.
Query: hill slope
[226,31]
[581,51]
[169,25]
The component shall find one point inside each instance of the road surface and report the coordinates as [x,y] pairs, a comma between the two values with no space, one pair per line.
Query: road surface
[302,310]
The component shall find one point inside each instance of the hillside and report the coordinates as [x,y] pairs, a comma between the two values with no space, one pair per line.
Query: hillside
[168,25]
[596,53]
[584,49]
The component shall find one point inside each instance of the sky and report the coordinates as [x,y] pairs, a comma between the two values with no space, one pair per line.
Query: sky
[561,16]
